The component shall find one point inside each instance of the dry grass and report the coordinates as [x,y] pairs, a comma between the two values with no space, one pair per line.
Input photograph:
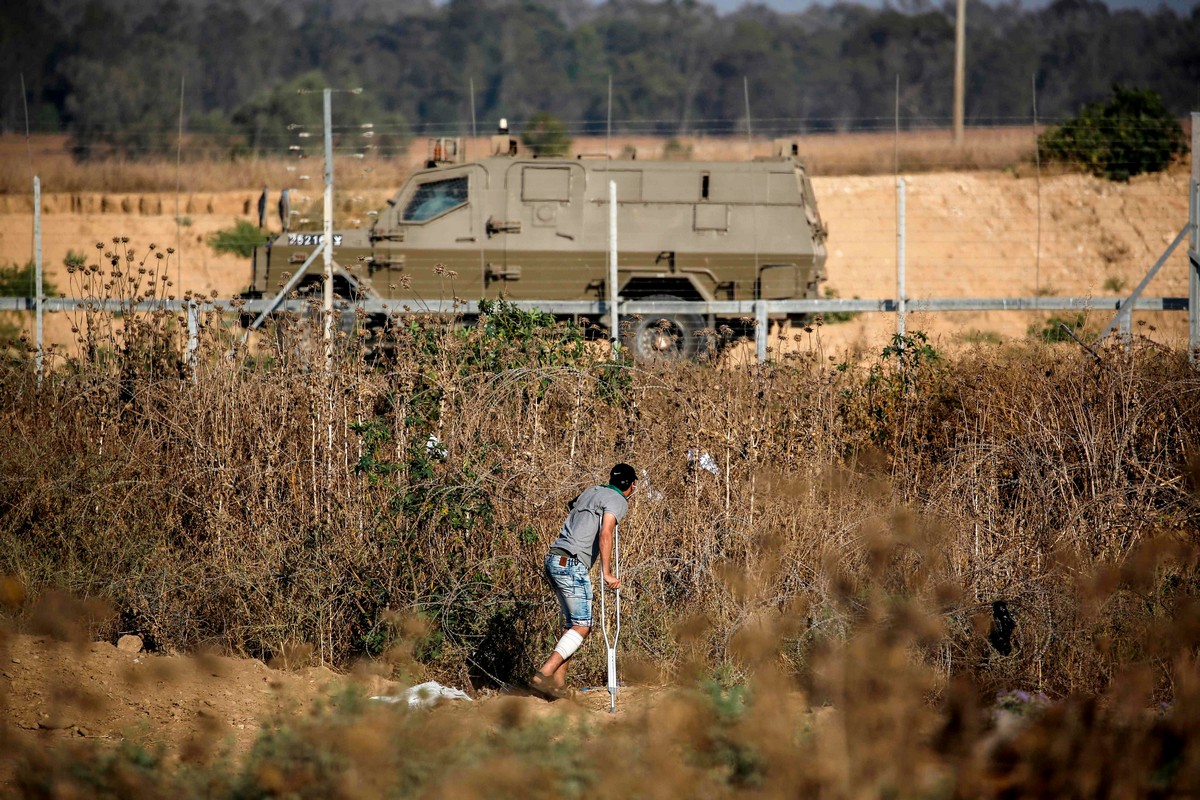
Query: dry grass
[59,172]
[824,154]
[863,522]
[847,153]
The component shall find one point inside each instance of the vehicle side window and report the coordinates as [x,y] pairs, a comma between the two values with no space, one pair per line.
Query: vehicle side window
[436,197]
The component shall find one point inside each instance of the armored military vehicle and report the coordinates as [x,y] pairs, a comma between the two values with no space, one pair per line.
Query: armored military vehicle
[524,228]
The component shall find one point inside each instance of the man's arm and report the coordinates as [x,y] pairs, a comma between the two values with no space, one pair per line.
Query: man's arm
[607,527]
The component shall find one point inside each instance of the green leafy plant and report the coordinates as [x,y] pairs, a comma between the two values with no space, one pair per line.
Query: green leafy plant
[1052,329]
[910,350]
[834,317]
[906,373]
[240,240]
[741,761]
[19,282]
[74,260]
[1128,135]
[517,338]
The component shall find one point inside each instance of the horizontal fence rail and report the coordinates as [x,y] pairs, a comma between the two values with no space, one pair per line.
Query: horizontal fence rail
[759,310]
[725,308]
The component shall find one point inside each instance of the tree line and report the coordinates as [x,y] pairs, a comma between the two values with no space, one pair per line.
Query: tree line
[109,72]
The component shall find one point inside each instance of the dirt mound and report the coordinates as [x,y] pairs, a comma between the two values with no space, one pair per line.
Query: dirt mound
[56,690]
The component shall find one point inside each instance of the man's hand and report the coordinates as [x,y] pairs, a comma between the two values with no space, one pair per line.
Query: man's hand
[611,581]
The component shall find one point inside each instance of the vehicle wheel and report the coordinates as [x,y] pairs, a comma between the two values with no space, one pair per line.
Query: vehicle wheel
[664,337]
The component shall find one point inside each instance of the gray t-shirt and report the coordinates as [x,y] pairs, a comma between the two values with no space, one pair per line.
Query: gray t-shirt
[581,531]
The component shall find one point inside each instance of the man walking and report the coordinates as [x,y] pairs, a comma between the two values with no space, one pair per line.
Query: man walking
[587,533]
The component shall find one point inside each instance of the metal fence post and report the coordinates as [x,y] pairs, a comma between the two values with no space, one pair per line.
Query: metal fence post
[39,295]
[761,324]
[193,343]
[327,229]
[901,224]
[613,316]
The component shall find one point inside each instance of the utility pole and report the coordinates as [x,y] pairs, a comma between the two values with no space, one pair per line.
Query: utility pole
[960,61]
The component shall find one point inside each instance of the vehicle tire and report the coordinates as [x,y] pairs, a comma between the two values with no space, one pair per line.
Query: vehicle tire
[664,337]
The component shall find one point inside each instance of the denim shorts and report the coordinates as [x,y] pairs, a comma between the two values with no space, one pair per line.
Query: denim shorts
[573,587]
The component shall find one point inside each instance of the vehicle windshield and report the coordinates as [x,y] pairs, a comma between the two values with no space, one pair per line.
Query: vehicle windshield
[436,197]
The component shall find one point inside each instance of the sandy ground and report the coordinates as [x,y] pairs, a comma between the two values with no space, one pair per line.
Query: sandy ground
[976,234]
[195,707]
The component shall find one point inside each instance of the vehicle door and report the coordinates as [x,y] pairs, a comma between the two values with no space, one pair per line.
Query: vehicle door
[541,230]
[433,240]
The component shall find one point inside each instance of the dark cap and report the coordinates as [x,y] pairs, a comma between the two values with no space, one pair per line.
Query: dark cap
[622,476]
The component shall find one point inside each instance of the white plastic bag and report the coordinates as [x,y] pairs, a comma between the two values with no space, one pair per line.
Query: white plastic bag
[707,462]
[424,695]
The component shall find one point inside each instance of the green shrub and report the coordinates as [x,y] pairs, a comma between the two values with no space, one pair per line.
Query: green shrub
[546,135]
[834,317]
[1130,134]
[240,240]
[74,260]
[1114,284]
[675,150]
[1052,330]
[18,281]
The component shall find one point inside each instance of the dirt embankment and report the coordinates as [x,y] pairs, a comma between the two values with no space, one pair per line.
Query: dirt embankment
[192,707]
[61,689]
[976,234]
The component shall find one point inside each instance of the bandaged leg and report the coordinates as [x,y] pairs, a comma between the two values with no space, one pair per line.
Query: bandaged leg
[568,644]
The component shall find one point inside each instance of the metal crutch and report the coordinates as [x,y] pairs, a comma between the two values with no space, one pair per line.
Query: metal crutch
[612,645]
